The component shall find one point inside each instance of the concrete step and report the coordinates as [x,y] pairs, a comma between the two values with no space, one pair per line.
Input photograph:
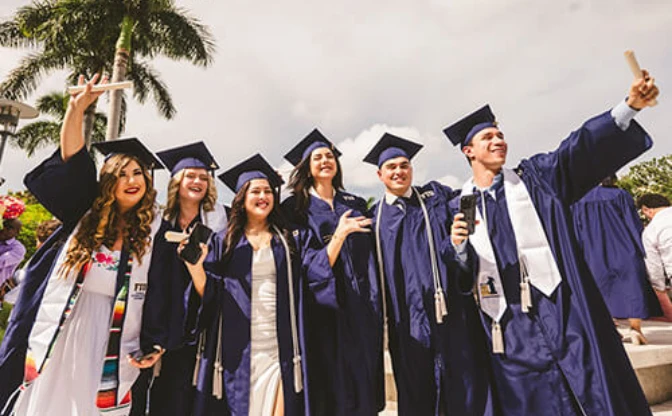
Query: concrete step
[652,364]
[663,409]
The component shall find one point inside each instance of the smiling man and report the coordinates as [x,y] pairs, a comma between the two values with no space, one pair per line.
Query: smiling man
[438,353]
[553,347]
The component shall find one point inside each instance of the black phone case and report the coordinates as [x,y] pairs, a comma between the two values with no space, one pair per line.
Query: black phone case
[192,251]
[468,208]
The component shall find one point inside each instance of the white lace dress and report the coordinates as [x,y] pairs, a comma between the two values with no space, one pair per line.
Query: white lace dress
[264,356]
[69,383]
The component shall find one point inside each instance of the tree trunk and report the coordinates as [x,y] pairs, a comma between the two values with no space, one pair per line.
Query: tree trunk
[89,118]
[121,58]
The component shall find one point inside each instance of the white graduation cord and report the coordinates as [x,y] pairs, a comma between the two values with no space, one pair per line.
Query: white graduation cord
[298,375]
[217,381]
[440,306]
[381,272]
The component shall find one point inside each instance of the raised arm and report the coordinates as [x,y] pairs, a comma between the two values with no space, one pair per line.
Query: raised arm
[72,135]
[601,146]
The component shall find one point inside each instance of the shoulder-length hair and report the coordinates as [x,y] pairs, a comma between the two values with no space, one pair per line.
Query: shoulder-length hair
[173,202]
[100,226]
[238,220]
[300,182]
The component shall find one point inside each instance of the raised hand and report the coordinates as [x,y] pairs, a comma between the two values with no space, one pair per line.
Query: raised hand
[348,225]
[643,92]
[81,100]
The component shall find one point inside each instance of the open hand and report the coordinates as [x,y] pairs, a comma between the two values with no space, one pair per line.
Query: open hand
[348,225]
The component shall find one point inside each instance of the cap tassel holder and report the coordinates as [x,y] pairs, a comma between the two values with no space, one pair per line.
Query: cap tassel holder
[525,291]
[497,338]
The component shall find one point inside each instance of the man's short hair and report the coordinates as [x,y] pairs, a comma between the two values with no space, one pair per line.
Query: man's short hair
[45,229]
[13,223]
[652,201]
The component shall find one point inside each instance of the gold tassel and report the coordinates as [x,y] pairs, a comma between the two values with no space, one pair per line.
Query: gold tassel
[497,338]
[298,374]
[440,306]
[525,295]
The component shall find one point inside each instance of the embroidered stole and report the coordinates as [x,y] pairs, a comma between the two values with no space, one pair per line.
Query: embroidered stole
[109,385]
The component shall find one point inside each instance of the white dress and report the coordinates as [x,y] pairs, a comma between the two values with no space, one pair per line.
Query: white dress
[68,385]
[264,356]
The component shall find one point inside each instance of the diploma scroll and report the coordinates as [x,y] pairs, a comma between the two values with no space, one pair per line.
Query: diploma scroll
[102,87]
[635,68]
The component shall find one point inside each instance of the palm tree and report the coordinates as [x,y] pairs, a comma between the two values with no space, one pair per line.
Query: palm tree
[81,37]
[43,133]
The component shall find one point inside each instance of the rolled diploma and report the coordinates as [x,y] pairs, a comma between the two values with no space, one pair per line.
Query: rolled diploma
[634,67]
[101,87]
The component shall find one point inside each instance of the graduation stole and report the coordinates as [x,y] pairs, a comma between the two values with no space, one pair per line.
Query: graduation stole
[109,384]
[537,263]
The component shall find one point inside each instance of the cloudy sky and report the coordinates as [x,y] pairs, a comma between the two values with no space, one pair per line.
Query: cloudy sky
[356,69]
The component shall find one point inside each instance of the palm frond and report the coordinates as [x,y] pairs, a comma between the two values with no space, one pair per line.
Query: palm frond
[178,36]
[145,81]
[37,135]
[53,104]
[23,80]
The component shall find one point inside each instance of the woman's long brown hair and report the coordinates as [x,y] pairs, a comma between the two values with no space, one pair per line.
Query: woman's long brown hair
[238,219]
[100,226]
[300,182]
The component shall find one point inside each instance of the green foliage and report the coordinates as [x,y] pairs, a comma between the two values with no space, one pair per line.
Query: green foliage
[653,175]
[4,317]
[34,214]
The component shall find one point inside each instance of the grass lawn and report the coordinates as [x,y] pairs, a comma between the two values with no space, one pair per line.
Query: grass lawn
[4,316]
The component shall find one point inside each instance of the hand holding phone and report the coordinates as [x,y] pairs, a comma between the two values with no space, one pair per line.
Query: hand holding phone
[191,252]
[468,208]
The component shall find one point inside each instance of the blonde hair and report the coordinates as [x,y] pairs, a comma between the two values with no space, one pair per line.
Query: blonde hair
[100,225]
[173,204]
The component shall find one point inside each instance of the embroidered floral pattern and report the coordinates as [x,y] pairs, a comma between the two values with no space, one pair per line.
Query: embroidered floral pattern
[107,261]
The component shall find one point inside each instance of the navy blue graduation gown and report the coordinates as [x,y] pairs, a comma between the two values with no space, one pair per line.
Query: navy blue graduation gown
[564,357]
[344,345]
[227,291]
[67,190]
[438,368]
[609,231]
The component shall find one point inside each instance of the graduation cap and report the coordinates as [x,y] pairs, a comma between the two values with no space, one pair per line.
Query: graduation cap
[194,155]
[256,167]
[132,147]
[390,146]
[314,140]
[464,130]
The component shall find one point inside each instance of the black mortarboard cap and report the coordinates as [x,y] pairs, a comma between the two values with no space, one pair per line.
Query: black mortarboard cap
[390,146]
[464,130]
[194,155]
[129,146]
[256,167]
[314,140]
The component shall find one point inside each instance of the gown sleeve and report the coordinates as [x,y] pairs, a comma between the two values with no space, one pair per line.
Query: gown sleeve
[316,269]
[66,189]
[594,151]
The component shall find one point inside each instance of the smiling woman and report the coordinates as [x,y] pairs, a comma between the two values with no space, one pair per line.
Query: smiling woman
[99,261]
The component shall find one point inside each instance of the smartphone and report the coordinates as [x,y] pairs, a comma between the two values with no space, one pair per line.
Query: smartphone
[192,250]
[140,356]
[468,208]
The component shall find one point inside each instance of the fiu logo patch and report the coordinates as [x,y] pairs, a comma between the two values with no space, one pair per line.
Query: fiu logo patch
[348,197]
[139,290]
